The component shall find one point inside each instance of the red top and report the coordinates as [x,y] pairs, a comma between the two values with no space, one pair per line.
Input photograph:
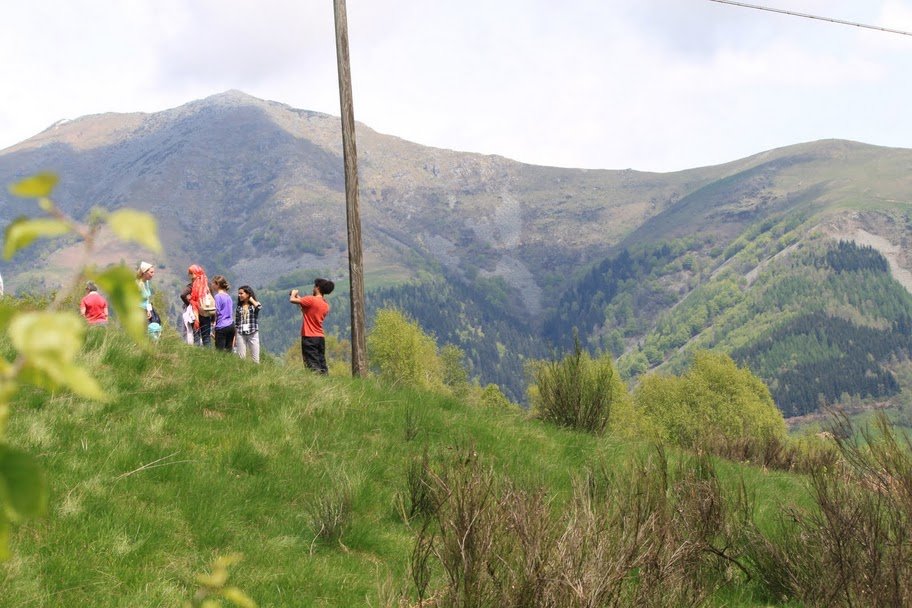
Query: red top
[96,308]
[314,310]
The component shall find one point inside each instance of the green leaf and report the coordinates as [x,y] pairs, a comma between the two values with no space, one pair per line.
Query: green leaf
[81,382]
[238,597]
[215,580]
[36,186]
[23,487]
[47,338]
[136,226]
[119,283]
[23,231]
[49,342]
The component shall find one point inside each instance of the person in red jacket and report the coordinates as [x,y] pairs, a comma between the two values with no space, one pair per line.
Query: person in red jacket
[93,306]
[314,309]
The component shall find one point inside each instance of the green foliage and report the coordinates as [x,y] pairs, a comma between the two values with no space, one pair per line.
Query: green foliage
[213,587]
[37,186]
[819,325]
[491,396]
[714,399]
[23,231]
[455,375]
[136,226]
[402,353]
[581,392]
[48,343]
[23,491]
[817,357]
[118,282]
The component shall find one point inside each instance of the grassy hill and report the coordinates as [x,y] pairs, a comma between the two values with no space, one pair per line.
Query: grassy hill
[200,455]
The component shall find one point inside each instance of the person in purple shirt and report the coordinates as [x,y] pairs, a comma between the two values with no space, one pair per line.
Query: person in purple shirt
[224,321]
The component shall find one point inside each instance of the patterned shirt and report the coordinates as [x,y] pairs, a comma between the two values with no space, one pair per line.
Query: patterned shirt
[246,319]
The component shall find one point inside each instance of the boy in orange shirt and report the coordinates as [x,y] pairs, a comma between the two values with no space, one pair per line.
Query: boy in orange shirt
[314,309]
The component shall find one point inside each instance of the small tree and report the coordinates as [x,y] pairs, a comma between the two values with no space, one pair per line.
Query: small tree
[455,375]
[402,353]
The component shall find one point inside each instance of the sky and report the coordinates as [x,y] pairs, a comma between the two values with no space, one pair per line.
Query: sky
[654,85]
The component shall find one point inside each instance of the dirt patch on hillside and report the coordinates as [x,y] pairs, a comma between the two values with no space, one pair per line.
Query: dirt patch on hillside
[892,252]
[882,232]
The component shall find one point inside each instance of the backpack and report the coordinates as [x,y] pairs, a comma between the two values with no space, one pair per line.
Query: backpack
[207,305]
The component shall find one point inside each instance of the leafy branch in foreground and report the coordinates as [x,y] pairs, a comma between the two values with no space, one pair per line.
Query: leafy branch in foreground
[214,587]
[47,342]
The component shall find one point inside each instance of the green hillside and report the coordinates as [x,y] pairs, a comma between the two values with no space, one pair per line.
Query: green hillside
[822,321]
[200,455]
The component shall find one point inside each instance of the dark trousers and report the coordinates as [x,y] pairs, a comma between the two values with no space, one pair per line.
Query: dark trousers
[224,338]
[313,351]
[204,336]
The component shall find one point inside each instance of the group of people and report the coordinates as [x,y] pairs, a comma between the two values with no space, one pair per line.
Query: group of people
[208,313]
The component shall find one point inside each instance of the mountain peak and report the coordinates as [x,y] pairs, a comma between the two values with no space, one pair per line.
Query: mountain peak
[232,97]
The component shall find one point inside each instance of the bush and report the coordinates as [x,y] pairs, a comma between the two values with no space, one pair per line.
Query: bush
[400,352]
[492,397]
[853,547]
[582,393]
[643,535]
[714,401]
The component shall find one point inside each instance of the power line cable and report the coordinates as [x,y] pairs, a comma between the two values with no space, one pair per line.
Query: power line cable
[817,17]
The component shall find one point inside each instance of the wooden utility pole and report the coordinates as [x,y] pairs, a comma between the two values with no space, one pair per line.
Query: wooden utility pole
[350,153]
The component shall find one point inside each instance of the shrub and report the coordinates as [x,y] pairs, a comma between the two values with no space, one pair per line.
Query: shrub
[491,396]
[455,376]
[402,353]
[582,393]
[714,401]
[852,548]
[644,535]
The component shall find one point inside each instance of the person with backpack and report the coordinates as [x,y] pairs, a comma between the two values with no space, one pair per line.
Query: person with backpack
[224,320]
[314,309]
[246,322]
[199,307]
